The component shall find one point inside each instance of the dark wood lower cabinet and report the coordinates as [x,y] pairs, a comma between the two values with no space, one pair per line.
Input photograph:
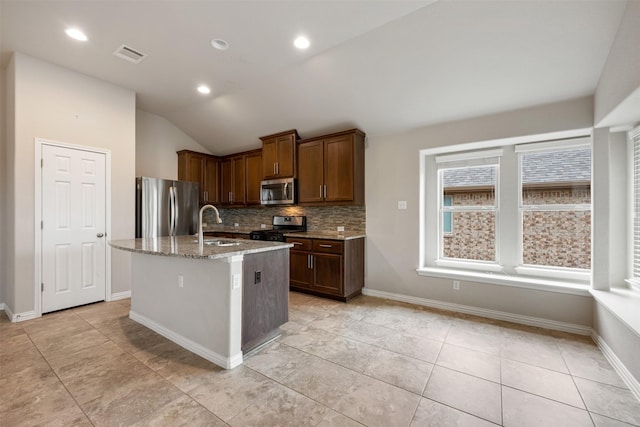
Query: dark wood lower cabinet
[265,296]
[330,268]
[301,275]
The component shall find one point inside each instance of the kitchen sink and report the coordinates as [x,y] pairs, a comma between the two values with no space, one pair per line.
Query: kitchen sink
[219,242]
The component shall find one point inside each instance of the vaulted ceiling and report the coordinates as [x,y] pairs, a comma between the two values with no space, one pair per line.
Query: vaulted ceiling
[382,66]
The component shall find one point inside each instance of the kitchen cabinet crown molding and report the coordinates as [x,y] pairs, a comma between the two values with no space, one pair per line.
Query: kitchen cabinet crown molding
[283,133]
[354,131]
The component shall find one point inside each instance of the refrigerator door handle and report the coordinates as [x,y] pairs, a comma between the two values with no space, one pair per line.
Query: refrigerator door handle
[172,209]
[176,211]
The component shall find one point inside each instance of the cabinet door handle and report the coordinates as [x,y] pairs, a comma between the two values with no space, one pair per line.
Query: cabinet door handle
[296,243]
[321,191]
[230,196]
[308,261]
[277,168]
[206,195]
[311,261]
[274,169]
[325,191]
[326,246]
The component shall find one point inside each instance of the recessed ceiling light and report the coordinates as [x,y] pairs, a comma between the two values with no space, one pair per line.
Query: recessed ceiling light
[220,44]
[204,89]
[301,42]
[76,34]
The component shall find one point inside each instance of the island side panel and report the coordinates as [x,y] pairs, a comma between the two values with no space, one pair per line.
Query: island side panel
[265,304]
[202,315]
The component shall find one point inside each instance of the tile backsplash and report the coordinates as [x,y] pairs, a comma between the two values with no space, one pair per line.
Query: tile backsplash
[322,218]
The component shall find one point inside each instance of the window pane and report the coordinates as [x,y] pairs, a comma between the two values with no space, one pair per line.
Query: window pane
[557,238]
[473,237]
[557,177]
[447,220]
[470,186]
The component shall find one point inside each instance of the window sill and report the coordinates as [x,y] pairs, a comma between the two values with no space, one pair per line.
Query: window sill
[476,266]
[555,273]
[504,280]
[623,303]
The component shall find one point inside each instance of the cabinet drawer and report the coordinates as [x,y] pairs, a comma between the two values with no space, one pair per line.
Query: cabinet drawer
[300,244]
[328,246]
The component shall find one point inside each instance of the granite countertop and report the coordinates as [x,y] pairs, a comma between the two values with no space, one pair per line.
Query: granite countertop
[228,229]
[329,235]
[187,247]
[320,234]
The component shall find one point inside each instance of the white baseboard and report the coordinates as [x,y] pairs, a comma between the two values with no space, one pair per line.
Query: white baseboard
[211,356]
[617,364]
[19,317]
[120,295]
[484,312]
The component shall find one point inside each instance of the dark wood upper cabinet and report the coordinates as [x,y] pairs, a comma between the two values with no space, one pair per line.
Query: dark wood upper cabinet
[253,170]
[311,172]
[211,180]
[203,169]
[331,169]
[279,154]
[232,181]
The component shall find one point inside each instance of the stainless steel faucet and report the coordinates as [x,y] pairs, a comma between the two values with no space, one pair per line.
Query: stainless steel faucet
[200,234]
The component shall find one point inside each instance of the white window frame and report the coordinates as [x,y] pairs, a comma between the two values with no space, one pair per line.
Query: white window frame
[561,273]
[459,161]
[430,223]
[634,209]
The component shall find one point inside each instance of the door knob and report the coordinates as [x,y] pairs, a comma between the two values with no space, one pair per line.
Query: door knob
[100,235]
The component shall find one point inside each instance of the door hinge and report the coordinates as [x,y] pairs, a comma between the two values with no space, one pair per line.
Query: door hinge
[41,287]
[41,225]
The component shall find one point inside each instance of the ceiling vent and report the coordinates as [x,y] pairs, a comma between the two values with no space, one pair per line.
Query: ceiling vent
[129,54]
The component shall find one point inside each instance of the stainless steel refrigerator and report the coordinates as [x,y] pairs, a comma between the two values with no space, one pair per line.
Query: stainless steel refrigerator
[166,208]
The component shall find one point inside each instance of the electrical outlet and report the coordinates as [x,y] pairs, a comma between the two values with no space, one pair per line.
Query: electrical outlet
[402,204]
[456,285]
[257,277]
[235,224]
[263,225]
[180,281]
[340,229]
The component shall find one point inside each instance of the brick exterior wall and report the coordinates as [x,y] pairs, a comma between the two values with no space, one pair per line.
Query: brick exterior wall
[560,239]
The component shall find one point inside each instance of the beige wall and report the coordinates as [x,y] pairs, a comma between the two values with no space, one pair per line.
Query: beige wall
[3,187]
[624,342]
[157,141]
[393,174]
[9,197]
[57,104]
[617,97]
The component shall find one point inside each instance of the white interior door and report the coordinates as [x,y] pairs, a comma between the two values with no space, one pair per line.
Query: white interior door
[73,229]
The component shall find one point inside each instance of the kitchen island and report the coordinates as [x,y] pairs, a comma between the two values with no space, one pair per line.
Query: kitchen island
[219,302]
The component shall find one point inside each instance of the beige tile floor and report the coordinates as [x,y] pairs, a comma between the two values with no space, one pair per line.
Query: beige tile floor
[370,362]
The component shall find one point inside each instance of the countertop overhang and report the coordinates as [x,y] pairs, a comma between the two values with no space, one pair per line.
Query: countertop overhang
[187,247]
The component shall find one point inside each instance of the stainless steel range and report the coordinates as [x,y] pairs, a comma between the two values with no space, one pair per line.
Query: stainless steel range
[281,225]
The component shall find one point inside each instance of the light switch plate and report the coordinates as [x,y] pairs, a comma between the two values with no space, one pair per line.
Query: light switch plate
[236,281]
[402,204]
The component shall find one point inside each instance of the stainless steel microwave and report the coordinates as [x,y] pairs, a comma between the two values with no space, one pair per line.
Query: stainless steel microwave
[278,192]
